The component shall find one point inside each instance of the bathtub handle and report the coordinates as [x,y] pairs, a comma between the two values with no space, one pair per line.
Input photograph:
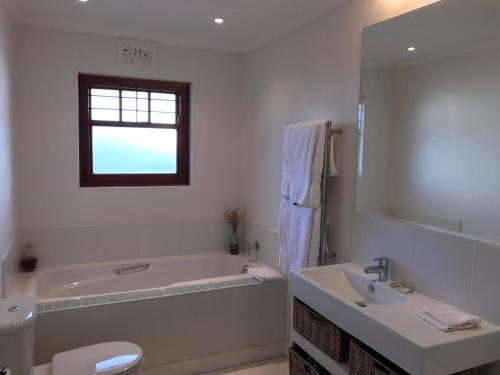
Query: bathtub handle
[133,269]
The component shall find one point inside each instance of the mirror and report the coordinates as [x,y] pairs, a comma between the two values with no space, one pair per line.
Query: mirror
[429,149]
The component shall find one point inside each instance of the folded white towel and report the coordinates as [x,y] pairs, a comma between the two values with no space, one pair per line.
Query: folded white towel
[265,273]
[451,316]
[448,318]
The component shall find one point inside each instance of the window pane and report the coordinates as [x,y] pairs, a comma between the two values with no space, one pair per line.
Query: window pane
[129,94]
[161,96]
[105,92]
[163,106]
[130,104]
[163,118]
[142,105]
[129,116]
[142,94]
[142,117]
[105,115]
[105,102]
[134,150]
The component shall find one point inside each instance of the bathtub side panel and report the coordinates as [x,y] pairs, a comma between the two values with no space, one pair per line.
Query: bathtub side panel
[259,316]
[175,328]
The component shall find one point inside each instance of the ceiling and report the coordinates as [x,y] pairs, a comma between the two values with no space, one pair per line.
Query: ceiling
[249,23]
[443,29]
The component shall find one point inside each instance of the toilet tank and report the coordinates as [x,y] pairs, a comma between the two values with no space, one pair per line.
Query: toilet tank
[17,326]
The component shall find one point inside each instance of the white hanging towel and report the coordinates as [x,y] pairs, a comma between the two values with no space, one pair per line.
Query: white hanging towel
[303,160]
[315,239]
[285,216]
[303,154]
[300,212]
[295,235]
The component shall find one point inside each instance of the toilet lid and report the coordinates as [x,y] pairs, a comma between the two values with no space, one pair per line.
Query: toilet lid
[112,358]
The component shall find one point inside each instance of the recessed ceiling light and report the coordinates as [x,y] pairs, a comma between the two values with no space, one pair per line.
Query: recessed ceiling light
[411,49]
[83,1]
[219,20]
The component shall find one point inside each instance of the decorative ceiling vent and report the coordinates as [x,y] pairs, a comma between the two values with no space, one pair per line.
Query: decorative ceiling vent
[137,52]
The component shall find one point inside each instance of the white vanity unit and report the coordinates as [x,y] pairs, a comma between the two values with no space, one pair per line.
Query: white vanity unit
[387,322]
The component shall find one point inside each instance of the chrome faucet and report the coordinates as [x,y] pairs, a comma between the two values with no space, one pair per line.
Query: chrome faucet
[381,269]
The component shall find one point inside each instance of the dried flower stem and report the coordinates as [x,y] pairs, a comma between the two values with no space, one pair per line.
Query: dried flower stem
[233,217]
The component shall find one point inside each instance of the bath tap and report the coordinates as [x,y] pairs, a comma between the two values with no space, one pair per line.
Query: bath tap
[381,269]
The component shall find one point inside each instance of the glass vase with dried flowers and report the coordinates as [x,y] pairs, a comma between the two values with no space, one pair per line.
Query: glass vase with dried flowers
[233,217]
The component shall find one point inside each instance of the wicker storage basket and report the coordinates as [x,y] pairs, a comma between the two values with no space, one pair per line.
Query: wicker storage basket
[303,364]
[364,361]
[320,332]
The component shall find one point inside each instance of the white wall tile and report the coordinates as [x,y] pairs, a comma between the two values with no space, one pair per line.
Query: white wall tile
[115,242]
[268,240]
[485,291]
[442,266]
[91,244]
[7,188]
[202,236]
[159,239]
[378,237]
[10,269]
[448,268]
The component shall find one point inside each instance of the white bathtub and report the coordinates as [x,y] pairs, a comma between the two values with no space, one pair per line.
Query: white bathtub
[190,314]
[64,282]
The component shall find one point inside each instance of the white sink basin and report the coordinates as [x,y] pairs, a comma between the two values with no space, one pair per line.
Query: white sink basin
[372,292]
[387,321]
[355,288]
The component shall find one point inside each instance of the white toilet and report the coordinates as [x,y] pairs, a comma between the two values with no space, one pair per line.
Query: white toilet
[17,325]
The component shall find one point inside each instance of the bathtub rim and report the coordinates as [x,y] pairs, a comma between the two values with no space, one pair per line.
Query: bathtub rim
[72,303]
[213,280]
[25,286]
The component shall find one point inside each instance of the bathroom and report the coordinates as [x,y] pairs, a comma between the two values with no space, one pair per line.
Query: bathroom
[260,66]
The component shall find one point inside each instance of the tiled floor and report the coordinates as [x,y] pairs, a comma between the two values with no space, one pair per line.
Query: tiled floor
[277,366]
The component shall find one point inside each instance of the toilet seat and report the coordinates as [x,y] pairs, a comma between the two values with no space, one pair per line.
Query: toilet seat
[112,358]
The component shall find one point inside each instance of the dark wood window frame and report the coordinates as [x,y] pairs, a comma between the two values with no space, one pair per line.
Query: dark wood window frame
[182,90]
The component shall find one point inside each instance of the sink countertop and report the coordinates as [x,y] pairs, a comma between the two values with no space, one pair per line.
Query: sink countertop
[394,330]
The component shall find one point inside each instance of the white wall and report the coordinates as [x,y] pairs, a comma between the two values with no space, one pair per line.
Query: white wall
[7,219]
[314,73]
[311,73]
[447,138]
[51,203]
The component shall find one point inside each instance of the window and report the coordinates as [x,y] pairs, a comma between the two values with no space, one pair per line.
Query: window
[133,132]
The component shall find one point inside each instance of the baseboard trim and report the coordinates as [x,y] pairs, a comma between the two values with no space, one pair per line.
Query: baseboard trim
[220,361]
